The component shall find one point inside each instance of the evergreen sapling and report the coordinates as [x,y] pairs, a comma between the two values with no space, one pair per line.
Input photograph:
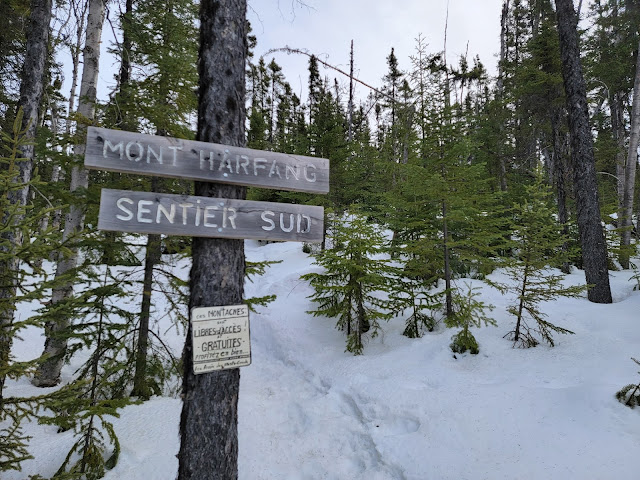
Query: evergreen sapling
[354,277]
[538,245]
[467,312]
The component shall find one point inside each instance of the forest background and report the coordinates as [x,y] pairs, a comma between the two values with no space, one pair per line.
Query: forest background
[468,171]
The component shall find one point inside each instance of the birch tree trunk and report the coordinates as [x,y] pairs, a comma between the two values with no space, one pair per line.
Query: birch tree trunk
[58,175]
[31,89]
[48,373]
[594,249]
[630,169]
[209,419]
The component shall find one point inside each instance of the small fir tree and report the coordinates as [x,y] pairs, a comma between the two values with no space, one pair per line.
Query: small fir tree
[354,277]
[538,241]
[468,312]
[415,246]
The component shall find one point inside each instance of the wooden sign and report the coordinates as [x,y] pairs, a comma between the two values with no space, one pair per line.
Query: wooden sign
[147,212]
[119,151]
[220,338]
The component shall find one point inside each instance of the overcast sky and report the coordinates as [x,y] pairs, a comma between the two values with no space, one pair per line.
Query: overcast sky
[326,28]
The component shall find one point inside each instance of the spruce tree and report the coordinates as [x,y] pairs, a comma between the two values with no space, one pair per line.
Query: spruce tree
[468,312]
[354,279]
[537,243]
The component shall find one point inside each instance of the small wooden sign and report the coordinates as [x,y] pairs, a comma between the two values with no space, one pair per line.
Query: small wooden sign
[119,151]
[147,212]
[220,338]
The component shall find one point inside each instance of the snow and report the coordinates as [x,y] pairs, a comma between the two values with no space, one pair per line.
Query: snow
[405,409]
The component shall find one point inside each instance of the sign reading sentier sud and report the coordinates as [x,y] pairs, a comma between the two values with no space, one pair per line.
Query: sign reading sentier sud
[147,212]
[220,334]
[220,338]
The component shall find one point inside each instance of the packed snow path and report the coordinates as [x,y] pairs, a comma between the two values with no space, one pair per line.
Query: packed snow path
[407,409]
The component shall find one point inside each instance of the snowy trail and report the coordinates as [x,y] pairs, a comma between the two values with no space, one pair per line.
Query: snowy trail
[407,409]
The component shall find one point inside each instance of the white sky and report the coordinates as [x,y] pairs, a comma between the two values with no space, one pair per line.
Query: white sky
[326,28]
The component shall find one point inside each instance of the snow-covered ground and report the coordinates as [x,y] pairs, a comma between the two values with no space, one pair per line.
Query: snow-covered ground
[407,408]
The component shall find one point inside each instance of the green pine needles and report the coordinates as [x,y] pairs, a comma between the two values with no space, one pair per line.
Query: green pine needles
[538,244]
[354,279]
[468,312]
[630,395]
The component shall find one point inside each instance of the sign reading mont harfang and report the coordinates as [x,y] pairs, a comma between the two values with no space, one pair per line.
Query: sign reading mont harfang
[127,152]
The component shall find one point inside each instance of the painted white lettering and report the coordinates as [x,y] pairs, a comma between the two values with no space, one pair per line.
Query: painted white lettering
[307,223]
[258,163]
[208,215]
[203,160]
[294,171]
[229,214]
[275,170]
[169,215]
[291,222]
[129,213]
[264,216]
[158,155]
[226,162]
[309,177]
[242,165]
[142,210]
[117,147]
[198,213]
[132,156]
[184,207]
[175,153]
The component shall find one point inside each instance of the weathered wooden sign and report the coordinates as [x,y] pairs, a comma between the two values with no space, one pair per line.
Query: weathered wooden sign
[147,212]
[220,338]
[119,151]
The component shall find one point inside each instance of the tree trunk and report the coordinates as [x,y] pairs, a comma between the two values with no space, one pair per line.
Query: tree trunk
[350,105]
[209,419]
[626,222]
[594,249]
[447,264]
[504,27]
[31,89]
[558,173]
[152,258]
[48,373]
[80,13]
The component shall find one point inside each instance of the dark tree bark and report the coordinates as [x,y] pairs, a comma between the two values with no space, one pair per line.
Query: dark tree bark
[560,149]
[504,26]
[209,420]
[594,249]
[31,89]
[153,255]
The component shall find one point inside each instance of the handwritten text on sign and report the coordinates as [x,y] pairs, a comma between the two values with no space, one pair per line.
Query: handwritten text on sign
[220,338]
[147,212]
[142,154]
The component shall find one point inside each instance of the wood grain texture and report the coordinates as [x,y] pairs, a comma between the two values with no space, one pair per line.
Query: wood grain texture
[127,152]
[148,212]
